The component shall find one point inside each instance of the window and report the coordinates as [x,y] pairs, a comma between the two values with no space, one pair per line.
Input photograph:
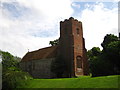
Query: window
[78,32]
[79,61]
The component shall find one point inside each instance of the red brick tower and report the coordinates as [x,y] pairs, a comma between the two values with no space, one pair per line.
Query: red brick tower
[72,48]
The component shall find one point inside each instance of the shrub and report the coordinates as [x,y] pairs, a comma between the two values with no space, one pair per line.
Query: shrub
[14,79]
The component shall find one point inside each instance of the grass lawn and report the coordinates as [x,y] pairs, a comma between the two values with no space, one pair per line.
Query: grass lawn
[81,82]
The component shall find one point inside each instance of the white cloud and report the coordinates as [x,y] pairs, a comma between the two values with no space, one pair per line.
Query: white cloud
[95,0]
[50,8]
[39,23]
[75,5]
[24,32]
[98,22]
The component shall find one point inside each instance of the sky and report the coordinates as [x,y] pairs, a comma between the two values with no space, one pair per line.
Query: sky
[28,25]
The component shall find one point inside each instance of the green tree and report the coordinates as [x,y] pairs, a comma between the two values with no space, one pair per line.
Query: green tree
[14,78]
[12,75]
[108,39]
[100,65]
[111,50]
[8,60]
[55,42]
[95,51]
[113,55]
[58,67]
[107,61]
[93,57]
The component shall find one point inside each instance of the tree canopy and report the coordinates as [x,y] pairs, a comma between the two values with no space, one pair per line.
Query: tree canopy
[108,39]
[12,75]
[107,61]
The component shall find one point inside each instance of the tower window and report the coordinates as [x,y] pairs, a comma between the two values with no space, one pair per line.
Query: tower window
[79,61]
[78,31]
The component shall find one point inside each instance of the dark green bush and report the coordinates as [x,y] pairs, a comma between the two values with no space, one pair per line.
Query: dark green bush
[14,79]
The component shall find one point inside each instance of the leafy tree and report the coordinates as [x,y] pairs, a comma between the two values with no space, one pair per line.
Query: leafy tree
[12,75]
[94,60]
[95,51]
[14,78]
[107,61]
[8,60]
[55,42]
[111,50]
[100,65]
[58,66]
[108,39]
[113,55]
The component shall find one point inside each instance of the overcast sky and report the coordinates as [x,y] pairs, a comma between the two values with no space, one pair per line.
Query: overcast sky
[31,24]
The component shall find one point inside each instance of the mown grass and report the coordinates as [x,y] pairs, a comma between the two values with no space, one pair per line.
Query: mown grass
[81,82]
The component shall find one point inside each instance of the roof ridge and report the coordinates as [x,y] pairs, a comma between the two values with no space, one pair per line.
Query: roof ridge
[43,53]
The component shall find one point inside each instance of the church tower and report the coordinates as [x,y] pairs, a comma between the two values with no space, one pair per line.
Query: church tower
[72,48]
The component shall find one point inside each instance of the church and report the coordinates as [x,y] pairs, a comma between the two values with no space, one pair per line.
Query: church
[71,52]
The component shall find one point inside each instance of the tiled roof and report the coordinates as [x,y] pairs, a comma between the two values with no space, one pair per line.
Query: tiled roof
[49,52]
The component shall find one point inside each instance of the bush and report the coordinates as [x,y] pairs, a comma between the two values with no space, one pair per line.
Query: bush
[14,79]
[12,75]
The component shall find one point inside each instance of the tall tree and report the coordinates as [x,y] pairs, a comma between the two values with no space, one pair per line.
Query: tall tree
[113,55]
[8,60]
[107,61]
[58,66]
[111,50]
[12,75]
[108,39]
[93,56]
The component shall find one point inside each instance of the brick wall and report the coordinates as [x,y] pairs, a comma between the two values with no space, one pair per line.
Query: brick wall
[72,46]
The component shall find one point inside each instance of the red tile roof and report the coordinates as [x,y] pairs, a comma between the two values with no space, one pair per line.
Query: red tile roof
[49,52]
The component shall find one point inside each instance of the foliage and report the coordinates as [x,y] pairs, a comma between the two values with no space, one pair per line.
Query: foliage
[108,39]
[12,75]
[80,82]
[107,61]
[95,51]
[8,60]
[113,54]
[58,66]
[93,57]
[55,42]
[13,78]
[111,51]
[99,66]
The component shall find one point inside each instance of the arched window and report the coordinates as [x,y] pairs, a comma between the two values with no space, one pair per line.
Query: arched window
[79,61]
